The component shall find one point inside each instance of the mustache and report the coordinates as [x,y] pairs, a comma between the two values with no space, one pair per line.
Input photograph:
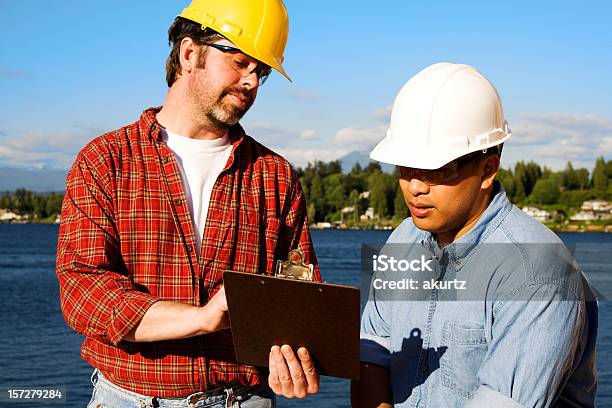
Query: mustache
[239,91]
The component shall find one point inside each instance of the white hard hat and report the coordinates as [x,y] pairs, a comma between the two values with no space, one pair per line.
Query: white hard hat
[442,113]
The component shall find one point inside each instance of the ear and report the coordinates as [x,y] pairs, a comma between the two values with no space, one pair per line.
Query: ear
[188,53]
[490,165]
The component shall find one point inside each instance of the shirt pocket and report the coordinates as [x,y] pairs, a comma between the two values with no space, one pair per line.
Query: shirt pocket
[459,366]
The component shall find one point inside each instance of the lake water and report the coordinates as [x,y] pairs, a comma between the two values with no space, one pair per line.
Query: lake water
[39,349]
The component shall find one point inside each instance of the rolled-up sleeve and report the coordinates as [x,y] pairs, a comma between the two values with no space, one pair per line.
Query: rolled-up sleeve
[97,297]
[535,342]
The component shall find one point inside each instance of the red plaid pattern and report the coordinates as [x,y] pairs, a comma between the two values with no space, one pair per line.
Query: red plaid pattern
[127,240]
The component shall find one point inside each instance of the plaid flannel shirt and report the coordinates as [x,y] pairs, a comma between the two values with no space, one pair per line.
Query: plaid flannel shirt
[126,241]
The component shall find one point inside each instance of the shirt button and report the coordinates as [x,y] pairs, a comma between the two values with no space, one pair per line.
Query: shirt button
[178,201]
[189,249]
[165,159]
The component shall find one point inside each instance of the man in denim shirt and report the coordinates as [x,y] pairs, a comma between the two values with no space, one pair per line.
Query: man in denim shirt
[508,318]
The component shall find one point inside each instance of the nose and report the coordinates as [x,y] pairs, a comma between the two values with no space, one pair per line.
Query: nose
[417,187]
[250,81]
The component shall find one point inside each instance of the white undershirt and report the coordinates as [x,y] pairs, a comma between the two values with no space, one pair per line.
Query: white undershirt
[200,162]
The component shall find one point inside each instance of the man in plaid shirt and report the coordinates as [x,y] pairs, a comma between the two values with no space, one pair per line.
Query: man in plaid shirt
[154,213]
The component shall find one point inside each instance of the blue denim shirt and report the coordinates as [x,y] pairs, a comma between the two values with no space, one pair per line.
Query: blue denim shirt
[523,336]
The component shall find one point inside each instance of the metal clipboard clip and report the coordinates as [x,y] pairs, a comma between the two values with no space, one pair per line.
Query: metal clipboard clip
[294,267]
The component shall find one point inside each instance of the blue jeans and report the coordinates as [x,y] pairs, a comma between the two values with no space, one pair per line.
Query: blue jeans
[108,395]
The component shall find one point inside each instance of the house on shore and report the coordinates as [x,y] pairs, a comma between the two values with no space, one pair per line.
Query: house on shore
[538,214]
[593,210]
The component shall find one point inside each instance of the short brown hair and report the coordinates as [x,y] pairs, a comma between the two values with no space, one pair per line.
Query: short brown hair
[183,28]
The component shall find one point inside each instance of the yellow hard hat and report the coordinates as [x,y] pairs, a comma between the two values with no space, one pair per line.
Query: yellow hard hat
[258,27]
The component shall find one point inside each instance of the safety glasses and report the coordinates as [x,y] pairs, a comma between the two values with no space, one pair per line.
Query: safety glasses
[444,175]
[242,63]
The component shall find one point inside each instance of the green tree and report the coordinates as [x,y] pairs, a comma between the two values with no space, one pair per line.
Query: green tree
[312,212]
[378,193]
[353,200]
[399,204]
[336,199]
[39,206]
[519,190]
[583,178]
[575,198]
[355,181]
[532,173]
[334,167]
[334,188]
[506,178]
[23,201]
[356,170]
[525,177]
[372,168]
[54,204]
[545,191]
[316,198]
[5,201]
[571,179]
[600,177]
[325,169]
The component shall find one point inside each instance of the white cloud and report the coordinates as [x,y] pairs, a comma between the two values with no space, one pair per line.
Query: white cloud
[274,135]
[41,149]
[360,138]
[309,134]
[550,139]
[301,157]
[364,137]
[383,114]
[553,139]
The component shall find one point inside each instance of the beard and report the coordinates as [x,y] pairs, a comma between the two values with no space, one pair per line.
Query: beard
[225,111]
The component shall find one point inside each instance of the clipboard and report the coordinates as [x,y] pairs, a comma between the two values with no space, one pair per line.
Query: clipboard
[269,310]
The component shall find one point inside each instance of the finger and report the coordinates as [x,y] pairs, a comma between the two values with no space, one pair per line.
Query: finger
[273,380]
[295,369]
[284,375]
[310,371]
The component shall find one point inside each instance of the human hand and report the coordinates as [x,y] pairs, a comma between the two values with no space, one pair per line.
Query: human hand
[215,315]
[291,376]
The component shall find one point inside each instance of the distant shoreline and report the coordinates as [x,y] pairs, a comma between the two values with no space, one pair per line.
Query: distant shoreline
[572,227]
[580,228]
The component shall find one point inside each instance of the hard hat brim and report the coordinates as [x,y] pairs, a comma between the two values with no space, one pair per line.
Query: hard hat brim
[390,152]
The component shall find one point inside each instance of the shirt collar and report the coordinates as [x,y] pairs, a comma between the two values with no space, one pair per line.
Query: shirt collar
[488,222]
[150,127]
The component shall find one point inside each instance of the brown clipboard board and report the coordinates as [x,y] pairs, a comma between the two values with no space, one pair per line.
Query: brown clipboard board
[266,311]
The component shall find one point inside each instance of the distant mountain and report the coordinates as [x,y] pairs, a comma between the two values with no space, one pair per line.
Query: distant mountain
[38,180]
[363,158]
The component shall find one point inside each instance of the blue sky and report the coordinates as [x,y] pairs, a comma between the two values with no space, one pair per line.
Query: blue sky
[71,70]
